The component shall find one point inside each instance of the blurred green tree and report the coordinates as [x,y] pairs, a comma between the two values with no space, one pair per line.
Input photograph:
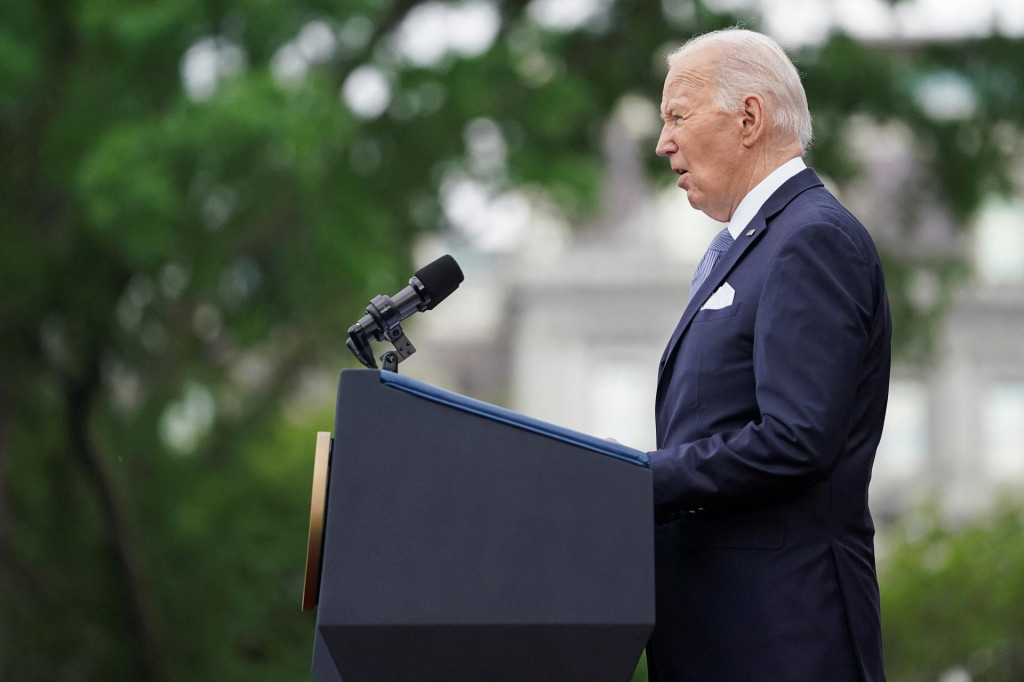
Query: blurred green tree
[951,600]
[191,215]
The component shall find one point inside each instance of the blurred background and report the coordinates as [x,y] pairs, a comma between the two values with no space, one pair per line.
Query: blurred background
[198,198]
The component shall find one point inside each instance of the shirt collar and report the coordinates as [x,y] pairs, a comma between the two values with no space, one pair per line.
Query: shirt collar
[756,197]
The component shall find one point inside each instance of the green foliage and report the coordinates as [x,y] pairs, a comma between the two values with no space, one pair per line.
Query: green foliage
[172,265]
[952,599]
[640,674]
[230,563]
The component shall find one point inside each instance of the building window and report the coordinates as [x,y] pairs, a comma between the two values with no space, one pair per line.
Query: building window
[999,255]
[1003,431]
[902,453]
[622,402]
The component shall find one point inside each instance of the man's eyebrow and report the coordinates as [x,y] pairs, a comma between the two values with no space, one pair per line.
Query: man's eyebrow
[670,108]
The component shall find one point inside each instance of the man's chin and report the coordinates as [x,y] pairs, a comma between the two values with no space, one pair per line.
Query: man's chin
[699,203]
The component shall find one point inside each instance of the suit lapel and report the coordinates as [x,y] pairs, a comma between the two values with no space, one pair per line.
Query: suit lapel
[713,281]
[750,234]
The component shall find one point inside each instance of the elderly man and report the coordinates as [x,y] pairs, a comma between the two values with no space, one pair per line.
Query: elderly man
[771,392]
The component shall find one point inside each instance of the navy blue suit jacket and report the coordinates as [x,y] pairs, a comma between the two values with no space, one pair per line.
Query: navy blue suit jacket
[769,412]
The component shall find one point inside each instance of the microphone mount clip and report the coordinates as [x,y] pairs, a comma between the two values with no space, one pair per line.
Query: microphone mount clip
[387,317]
[403,349]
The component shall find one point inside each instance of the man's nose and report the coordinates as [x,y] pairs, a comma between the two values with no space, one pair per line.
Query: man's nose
[665,146]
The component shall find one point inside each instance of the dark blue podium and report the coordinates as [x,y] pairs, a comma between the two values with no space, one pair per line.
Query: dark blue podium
[463,542]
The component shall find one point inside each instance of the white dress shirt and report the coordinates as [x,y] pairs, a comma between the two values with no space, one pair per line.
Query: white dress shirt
[756,197]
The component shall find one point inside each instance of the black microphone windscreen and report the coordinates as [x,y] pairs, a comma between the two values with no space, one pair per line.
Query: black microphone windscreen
[440,278]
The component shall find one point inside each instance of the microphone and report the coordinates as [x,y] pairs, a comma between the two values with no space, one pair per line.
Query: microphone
[430,285]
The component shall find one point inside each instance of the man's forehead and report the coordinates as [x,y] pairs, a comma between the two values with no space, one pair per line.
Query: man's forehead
[683,82]
[689,74]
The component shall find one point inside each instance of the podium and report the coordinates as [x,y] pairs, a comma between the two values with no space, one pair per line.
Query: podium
[463,542]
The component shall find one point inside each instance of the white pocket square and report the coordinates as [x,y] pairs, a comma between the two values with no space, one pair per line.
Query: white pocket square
[722,298]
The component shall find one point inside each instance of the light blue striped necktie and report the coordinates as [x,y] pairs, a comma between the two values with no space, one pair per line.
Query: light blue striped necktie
[719,245]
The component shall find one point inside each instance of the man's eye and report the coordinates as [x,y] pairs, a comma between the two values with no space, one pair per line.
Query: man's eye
[677,119]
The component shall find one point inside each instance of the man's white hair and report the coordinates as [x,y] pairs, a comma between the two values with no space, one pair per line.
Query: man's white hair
[752,63]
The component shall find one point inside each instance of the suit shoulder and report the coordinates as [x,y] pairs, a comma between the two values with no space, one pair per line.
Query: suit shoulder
[817,209]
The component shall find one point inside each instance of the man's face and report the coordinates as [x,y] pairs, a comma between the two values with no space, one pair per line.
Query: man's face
[702,143]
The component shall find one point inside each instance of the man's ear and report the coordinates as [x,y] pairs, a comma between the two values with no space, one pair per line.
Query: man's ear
[755,126]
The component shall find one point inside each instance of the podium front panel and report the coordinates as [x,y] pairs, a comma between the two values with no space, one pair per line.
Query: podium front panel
[461,547]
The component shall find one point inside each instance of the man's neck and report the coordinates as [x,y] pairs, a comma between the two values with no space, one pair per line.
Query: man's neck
[754,199]
[762,163]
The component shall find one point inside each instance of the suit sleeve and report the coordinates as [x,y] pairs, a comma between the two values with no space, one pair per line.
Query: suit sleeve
[811,335]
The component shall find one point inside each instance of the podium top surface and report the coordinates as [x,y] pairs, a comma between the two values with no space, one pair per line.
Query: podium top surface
[506,416]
